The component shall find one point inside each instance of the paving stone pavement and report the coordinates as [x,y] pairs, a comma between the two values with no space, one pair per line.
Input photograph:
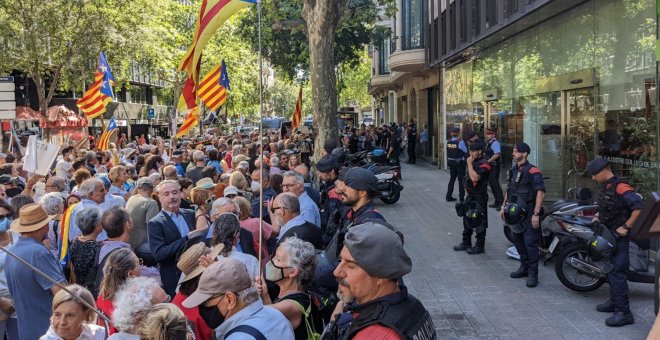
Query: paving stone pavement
[472,296]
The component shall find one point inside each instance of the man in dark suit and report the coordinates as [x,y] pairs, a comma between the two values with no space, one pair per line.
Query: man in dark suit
[169,232]
[286,218]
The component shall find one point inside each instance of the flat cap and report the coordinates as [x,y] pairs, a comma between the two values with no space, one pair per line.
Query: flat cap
[597,165]
[361,179]
[327,164]
[378,250]
[144,182]
[329,145]
[523,147]
[476,146]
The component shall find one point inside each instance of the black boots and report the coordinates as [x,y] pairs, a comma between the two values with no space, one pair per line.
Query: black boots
[463,246]
[478,249]
[520,273]
[605,307]
[532,280]
[620,319]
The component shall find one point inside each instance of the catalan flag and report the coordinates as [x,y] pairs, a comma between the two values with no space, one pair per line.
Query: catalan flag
[192,119]
[213,87]
[297,114]
[65,227]
[95,101]
[212,14]
[104,141]
[188,97]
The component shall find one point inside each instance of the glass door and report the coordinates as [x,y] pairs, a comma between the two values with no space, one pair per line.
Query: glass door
[546,137]
[580,137]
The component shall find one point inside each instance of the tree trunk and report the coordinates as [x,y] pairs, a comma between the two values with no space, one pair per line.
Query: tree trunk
[322,17]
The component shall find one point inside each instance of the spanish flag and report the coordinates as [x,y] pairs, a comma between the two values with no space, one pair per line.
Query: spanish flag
[297,114]
[65,226]
[212,14]
[95,101]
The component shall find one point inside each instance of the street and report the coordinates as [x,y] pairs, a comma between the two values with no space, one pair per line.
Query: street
[472,296]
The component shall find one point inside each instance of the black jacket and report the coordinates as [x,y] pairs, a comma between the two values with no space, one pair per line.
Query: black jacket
[307,232]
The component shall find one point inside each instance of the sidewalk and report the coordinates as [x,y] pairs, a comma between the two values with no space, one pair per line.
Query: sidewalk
[472,296]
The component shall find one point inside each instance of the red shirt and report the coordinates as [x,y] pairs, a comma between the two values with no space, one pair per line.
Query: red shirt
[202,331]
[107,308]
[377,332]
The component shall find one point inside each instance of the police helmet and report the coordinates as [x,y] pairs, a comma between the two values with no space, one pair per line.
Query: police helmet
[601,246]
[514,213]
[474,217]
[340,153]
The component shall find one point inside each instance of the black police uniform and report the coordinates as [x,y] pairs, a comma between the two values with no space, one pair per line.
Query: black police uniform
[477,197]
[616,202]
[412,144]
[493,180]
[330,203]
[456,163]
[524,182]
[393,311]
[395,143]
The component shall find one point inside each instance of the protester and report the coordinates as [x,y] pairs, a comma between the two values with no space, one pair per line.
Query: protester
[53,203]
[226,292]
[142,208]
[32,294]
[84,247]
[163,321]
[71,318]
[121,265]
[92,192]
[288,221]
[226,232]
[292,269]
[295,183]
[132,301]
[252,224]
[8,321]
[202,199]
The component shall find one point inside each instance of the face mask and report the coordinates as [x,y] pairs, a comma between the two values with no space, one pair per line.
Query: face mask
[4,224]
[273,272]
[255,186]
[211,315]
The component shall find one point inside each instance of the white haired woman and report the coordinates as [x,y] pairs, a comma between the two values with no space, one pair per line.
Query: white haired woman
[292,269]
[54,205]
[132,302]
[71,319]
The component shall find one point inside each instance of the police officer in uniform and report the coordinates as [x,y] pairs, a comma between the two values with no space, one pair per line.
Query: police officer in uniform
[618,208]
[476,185]
[328,168]
[394,145]
[494,153]
[456,151]
[412,142]
[525,193]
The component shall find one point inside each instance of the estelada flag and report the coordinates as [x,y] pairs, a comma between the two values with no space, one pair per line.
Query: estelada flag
[65,227]
[297,114]
[213,87]
[104,141]
[212,14]
[95,101]
[192,120]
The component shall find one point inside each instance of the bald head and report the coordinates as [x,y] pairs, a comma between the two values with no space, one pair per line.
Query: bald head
[170,172]
[55,184]
[304,171]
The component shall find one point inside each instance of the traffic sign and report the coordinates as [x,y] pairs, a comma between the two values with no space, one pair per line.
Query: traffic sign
[151,113]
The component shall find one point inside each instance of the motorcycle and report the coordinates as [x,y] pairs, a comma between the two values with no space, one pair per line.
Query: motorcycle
[389,176]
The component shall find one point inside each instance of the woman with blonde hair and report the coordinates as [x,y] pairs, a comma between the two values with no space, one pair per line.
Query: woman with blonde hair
[251,224]
[120,265]
[238,180]
[71,319]
[294,161]
[203,199]
[164,321]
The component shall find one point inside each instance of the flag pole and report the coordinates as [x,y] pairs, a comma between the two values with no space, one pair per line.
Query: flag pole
[261,139]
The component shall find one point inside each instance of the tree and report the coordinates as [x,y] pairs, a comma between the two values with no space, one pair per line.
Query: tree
[352,82]
[331,32]
[55,41]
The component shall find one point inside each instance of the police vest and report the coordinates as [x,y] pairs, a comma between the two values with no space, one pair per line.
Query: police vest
[330,202]
[407,317]
[453,152]
[489,150]
[482,185]
[520,190]
[613,210]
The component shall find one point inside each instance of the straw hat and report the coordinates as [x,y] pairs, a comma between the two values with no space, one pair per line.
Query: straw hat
[189,261]
[205,183]
[31,217]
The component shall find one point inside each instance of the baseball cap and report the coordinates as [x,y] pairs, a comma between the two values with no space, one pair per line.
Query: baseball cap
[230,190]
[370,243]
[243,165]
[224,275]
[361,179]
[523,147]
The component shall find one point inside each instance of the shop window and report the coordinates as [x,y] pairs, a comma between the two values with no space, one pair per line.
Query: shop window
[413,24]
[452,26]
[491,13]
[476,17]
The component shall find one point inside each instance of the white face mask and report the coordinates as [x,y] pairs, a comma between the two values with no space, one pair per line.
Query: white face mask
[255,186]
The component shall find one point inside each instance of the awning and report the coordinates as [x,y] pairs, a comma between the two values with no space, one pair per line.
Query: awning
[61,117]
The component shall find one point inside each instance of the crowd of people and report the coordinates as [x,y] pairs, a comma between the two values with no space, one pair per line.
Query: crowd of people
[218,237]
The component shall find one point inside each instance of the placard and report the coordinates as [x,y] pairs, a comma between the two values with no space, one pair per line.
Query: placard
[39,156]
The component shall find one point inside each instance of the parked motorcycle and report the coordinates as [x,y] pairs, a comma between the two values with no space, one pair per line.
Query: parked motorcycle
[575,267]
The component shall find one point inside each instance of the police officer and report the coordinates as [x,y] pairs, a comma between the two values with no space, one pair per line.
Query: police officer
[456,151]
[494,153]
[525,192]
[473,137]
[476,185]
[618,208]
[412,142]
[328,169]
[394,145]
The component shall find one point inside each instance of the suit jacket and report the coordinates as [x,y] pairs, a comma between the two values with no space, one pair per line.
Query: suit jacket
[307,232]
[166,244]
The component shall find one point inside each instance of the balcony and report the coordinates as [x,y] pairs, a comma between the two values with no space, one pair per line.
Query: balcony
[379,82]
[408,60]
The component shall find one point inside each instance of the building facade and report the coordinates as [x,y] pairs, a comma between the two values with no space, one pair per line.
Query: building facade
[573,79]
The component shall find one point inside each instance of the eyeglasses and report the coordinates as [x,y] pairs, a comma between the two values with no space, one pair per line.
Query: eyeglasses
[289,185]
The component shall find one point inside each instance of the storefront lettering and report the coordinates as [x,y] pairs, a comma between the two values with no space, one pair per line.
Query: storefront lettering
[633,162]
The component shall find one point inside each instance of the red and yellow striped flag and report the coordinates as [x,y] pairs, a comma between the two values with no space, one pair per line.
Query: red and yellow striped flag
[65,227]
[297,115]
[192,120]
[95,101]
[104,141]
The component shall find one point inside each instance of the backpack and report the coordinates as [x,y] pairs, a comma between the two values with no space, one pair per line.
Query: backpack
[95,276]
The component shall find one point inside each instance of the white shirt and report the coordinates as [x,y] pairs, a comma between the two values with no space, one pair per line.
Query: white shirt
[89,332]
[248,260]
